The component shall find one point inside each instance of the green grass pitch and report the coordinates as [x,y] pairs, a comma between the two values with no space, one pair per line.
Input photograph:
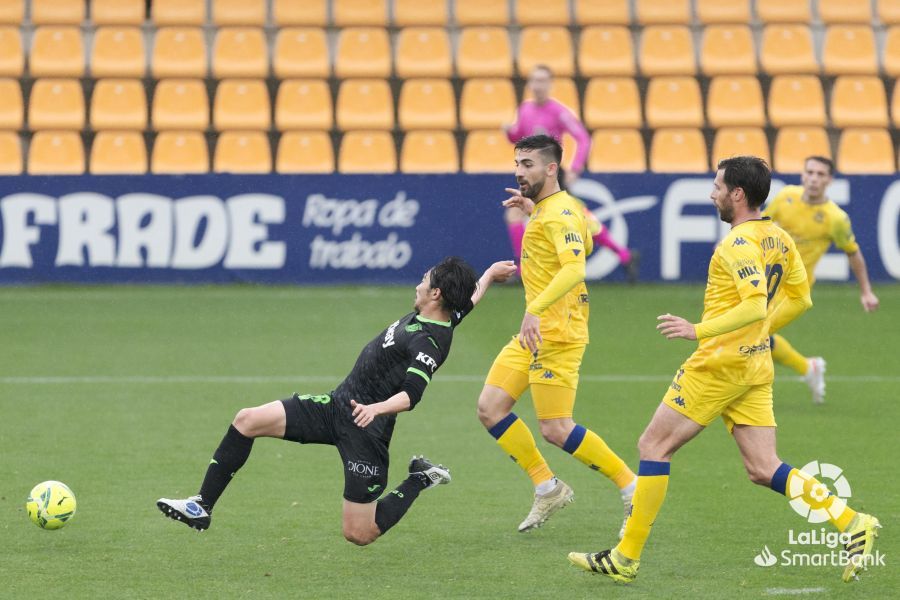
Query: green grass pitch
[124,393]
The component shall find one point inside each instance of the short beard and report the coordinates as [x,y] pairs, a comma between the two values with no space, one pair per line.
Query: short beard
[727,214]
[534,190]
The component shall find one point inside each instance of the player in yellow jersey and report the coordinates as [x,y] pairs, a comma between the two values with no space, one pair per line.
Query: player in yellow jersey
[547,352]
[756,285]
[815,222]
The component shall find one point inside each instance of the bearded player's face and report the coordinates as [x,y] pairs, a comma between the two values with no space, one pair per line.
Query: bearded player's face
[721,197]
[532,172]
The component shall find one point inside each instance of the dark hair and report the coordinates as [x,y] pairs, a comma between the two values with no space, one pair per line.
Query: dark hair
[544,144]
[822,159]
[456,280]
[751,174]
[543,67]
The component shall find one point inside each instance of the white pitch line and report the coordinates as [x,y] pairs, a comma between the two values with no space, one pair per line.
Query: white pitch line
[794,591]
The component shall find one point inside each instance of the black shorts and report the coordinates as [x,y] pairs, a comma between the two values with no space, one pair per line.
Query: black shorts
[318,420]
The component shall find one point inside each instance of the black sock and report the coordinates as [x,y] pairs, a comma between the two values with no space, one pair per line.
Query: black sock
[392,507]
[230,456]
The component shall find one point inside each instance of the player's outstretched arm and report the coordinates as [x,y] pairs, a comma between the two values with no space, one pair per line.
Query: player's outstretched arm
[867,298]
[498,272]
[364,414]
[749,310]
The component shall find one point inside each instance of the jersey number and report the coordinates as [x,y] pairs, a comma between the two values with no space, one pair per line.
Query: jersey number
[773,279]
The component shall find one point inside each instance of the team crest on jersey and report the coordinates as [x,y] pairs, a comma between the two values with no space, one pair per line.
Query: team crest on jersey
[819,217]
[739,242]
[414,327]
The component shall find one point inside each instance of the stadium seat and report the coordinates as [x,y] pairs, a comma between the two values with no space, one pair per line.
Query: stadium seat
[487,151]
[541,12]
[118,153]
[663,12]
[179,152]
[56,104]
[667,50]
[895,107]
[12,12]
[891,57]
[481,12]
[787,50]
[783,11]
[794,144]
[739,141]
[119,104]
[178,12]
[354,13]
[245,152]
[549,46]
[889,12]
[678,151]
[612,102]
[12,110]
[118,12]
[289,13]
[301,52]
[429,152]
[563,91]
[735,101]
[56,153]
[240,52]
[723,11]
[226,13]
[606,51]
[845,11]
[865,152]
[180,104]
[850,50]
[364,104]
[179,52]
[118,52]
[363,52]
[427,104]
[367,152]
[57,52]
[303,104]
[242,104]
[727,50]
[10,153]
[617,151]
[420,13]
[12,58]
[484,52]
[487,103]
[57,12]
[674,102]
[304,152]
[859,102]
[796,101]
[424,52]
[601,12]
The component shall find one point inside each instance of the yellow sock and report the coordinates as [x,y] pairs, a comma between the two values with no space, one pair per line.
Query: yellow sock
[653,479]
[516,440]
[589,448]
[785,354]
[807,493]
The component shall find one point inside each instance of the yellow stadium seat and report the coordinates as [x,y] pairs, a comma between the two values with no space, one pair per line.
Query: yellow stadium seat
[303,104]
[419,13]
[605,51]
[602,12]
[484,52]
[487,151]
[57,12]
[118,153]
[12,110]
[541,12]
[895,106]
[424,52]
[427,104]
[889,12]
[354,13]
[429,152]
[487,103]
[850,50]
[788,50]
[564,92]
[301,52]
[242,104]
[56,104]
[364,104]
[612,102]
[367,152]
[740,141]
[12,58]
[287,13]
[304,152]
[482,12]
[783,11]
[674,102]
[735,101]
[859,102]
[865,152]
[118,52]
[549,46]
[678,151]
[178,12]
[57,52]
[653,12]
[225,13]
[727,50]
[119,104]
[179,52]
[118,12]
[723,11]
[892,52]
[794,144]
[56,153]
[179,152]
[796,101]
[180,104]
[667,50]
[617,151]
[363,52]
[10,153]
[845,11]
[12,12]
[240,52]
[245,152]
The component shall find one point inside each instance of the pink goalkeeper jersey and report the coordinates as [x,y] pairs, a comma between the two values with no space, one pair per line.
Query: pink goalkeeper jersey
[553,119]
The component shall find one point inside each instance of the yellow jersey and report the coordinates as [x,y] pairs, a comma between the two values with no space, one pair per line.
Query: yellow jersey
[814,227]
[756,258]
[557,234]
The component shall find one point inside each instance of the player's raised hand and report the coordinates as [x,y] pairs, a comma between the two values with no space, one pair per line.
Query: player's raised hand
[517,200]
[502,270]
[530,333]
[363,414]
[674,327]
[869,301]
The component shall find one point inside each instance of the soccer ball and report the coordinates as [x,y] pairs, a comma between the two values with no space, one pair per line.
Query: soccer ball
[50,504]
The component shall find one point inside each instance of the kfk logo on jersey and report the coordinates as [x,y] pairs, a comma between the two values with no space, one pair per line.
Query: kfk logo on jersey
[427,361]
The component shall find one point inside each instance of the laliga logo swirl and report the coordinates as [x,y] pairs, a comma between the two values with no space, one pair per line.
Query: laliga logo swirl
[808,496]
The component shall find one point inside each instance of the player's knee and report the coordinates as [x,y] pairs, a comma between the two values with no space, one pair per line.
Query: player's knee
[488,411]
[554,432]
[247,422]
[760,475]
[649,448]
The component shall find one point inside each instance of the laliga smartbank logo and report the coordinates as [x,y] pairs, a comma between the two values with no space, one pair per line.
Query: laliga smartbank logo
[808,496]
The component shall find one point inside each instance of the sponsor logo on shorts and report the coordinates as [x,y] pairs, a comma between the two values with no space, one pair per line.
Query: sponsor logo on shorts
[547,375]
[535,366]
[679,401]
[363,468]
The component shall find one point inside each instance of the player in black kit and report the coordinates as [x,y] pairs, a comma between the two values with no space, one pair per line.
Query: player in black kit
[358,417]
